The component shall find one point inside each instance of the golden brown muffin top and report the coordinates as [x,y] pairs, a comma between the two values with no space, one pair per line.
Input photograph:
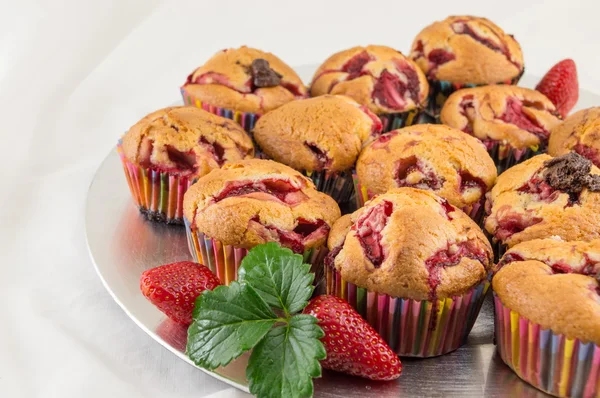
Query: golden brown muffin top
[245,79]
[256,201]
[544,197]
[580,132]
[410,243]
[376,76]
[515,115]
[444,160]
[185,140]
[554,284]
[467,50]
[321,133]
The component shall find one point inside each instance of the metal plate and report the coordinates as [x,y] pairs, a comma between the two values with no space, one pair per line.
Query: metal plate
[123,244]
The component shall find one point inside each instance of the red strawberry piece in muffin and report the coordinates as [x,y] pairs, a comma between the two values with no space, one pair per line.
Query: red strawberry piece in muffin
[580,132]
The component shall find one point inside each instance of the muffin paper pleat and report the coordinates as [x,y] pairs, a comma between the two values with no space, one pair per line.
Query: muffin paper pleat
[440,90]
[338,185]
[549,361]
[393,121]
[157,194]
[505,156]
[225,260]
[245,119]
[413,328]
[475,211]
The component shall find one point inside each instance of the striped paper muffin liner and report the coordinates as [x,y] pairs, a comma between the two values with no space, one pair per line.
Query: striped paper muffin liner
[225,260]
[338,185]
[158,194]
[440,90]
[549,361]
[475,211]
[413,328]
[506,156]
[393,121]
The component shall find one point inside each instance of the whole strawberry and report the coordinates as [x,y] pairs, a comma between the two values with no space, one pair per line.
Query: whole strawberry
[173,288]
[561,86]
[352,345]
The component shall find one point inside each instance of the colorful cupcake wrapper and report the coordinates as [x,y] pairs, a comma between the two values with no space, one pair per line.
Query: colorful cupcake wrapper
[549,361]
[475,211]
[393,121]
[338,185]
[245,119]
[505,156]
[224,260]
[440,90]
[407,325]
[158,194]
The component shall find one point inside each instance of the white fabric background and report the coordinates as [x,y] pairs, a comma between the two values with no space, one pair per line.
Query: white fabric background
[75,74]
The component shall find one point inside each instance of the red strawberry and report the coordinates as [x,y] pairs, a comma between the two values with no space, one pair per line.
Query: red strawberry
[173,288]
[352,345]
[561,87]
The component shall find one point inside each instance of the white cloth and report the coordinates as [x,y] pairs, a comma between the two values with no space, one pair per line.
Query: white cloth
[75,74]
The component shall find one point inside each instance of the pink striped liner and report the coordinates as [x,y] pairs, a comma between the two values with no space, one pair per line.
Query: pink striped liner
[551,362]
[410,327]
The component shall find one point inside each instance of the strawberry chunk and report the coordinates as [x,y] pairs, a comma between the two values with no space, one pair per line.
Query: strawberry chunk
[561,86]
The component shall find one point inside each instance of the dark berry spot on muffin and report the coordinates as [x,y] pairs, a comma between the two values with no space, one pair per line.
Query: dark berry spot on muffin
[508,258]
[514,114]
[467,109]
[447,207]
[543,191]
[296,240]
[391,92]
[498,45]
[384,140]
[369,229]
[412,172]
[145,152]
[293,88]
[419,50]
[184,161]
[588,152]
[321,157]
[330,258]
[377,126]
[354,65]
[215,149]
[282,190]
[263,75]
[469,181]
[511,223]
[439,57]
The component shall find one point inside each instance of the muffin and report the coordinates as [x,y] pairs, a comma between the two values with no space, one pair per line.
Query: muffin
[414,266]
[514,123]
[244,204]
[438,158]
[547,301]
[544,197]
[320,137]
[465,51]
[167,150]
[381,78]
[580,132]
[242,84]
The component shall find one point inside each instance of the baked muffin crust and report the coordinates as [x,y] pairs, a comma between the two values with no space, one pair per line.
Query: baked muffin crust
[450,163]
[376,76]
[467,49]
[257,201]
[580,132]
[412,244]
[518,116]
[239,79]
[185,140]
[322,133]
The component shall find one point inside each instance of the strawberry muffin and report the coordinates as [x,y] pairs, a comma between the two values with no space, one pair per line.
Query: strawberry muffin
[465,51]
[544,197]
[547,300]
[381,78]
[242,84]
[414,266]
[244,204]
[438,158]
[580,132]
[513,122]
[167,150]
[320,137]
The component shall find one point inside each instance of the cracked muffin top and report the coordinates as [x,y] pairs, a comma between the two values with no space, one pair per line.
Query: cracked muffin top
[580,132]
[467,50]
[256,201]
[185,141]
[554,284]
[444,160]
[376,76]
[245,79]
[518,116]
[410,243]
[322,133]
[544,197]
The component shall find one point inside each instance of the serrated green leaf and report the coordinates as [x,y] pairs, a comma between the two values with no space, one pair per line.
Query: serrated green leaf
[227,322]
[285,361]
[279,276]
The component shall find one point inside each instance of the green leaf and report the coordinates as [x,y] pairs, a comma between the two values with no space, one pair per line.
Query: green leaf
[285,361]
[279,276]
[227,322]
